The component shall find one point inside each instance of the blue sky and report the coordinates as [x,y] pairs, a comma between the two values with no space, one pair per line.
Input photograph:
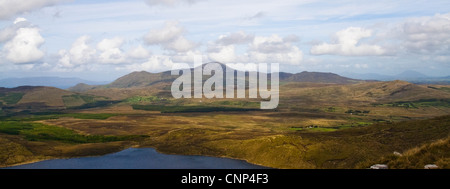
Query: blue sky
[103,40]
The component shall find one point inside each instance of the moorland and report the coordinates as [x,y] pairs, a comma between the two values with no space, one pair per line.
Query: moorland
[323,121]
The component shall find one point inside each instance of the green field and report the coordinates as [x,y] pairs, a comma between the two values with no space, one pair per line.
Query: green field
[185,109]
[139,99]
[56,115]
[11,98]
[445,103]
[41,132]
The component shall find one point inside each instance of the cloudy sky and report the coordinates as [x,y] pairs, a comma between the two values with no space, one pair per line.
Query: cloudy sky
[102,40]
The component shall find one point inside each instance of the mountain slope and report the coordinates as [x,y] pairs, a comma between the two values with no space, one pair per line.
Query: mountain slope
[361,93]
[410,76]
[141,79]
[319,77]
[43,98]
[47,95]
[81,87]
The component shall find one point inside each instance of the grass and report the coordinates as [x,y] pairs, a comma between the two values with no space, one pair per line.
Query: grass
[368,144]
[445,103]
[139,99]
[11,98]
[41,132]
[251,137]
[55,115]
[358,147]
[316,129]
[96,104]
[78,99]
[185,109]
[241,104]
[434,153]
[446,89]
[331,129]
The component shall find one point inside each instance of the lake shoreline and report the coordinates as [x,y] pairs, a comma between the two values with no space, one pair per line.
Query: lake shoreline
[244,162]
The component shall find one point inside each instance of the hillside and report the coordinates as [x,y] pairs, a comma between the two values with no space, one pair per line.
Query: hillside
[43,99]
[437,153]
[80,87]
[141,79]
[408,75]
[318,77]
[49,96]
[368,92]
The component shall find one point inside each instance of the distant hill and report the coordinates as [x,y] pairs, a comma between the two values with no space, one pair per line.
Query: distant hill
[408,75]
[80,87]
[28,97]
[141,79]
[36,99]
[319,77]
[58,82]
[144,79]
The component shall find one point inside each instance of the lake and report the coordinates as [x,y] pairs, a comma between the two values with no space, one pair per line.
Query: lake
[141,158]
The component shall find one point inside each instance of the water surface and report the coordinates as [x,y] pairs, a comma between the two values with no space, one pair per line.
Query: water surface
[141,158]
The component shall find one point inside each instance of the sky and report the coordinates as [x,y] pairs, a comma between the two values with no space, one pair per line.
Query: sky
[103,40]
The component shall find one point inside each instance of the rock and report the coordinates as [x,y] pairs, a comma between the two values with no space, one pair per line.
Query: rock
[397,153]
[379,166]
[431,166]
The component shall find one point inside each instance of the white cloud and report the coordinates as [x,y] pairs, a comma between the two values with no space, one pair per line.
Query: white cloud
[293,57]
[291,38]
[274,49]
[19,19]
[235,38]
[9,32]
[169,3]
[138,52]
[180,44]
[84,56]
[24,46]
[359,66]
[107,44]
[188,57]
[9,8]
[272,44]
[260,49]
[425,34]
[347,43]
[168,33]
[170,37]
[223,54]
[442,59]
[110,51]
[80,53]
[153,64]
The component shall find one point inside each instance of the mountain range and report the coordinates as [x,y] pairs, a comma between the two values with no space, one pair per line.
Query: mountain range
[58,82]
[408,75]
[144,79]
[326,87]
